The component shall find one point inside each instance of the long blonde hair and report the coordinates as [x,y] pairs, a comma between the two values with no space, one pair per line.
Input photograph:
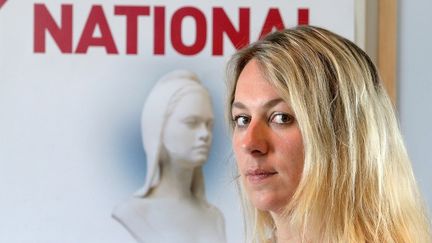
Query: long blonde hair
[357,184]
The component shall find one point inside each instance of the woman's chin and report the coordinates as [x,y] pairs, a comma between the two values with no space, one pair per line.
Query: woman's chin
[270,203]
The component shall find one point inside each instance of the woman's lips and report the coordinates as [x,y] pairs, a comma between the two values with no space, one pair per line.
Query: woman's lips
[259,175]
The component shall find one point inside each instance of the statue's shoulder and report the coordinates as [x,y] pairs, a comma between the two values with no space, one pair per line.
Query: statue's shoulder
[134,214]
[218,219]
[131,208]
[214,211]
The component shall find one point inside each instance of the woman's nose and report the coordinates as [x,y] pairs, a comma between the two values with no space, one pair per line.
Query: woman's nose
[255,139]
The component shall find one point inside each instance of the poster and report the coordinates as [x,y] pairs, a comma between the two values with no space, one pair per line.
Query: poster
[74,76]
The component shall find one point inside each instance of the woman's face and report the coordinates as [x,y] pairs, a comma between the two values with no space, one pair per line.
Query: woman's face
[188,130]
[267,141]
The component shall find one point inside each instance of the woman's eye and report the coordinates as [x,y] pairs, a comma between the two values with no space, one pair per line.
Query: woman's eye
[241,121]
[281,118]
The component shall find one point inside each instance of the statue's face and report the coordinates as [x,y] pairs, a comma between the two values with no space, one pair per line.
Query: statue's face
[188,130]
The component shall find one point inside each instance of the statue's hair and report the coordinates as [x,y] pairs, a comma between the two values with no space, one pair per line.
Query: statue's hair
[357,183]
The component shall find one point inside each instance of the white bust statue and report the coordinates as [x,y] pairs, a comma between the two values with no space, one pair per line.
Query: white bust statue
[176,127]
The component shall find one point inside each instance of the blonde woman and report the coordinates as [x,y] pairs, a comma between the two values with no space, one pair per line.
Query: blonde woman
[318,149]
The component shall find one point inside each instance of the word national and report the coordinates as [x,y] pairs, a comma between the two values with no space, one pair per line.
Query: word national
[96,31]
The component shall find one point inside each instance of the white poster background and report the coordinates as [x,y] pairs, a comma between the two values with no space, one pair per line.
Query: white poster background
[70,139]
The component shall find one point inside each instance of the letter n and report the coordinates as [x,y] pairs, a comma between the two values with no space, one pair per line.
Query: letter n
[43,21]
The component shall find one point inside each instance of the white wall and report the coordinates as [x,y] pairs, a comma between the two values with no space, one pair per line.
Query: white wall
[415,87]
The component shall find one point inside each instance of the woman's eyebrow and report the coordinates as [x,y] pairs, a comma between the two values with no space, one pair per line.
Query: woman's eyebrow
[273,102]
[267,104]
[239,105]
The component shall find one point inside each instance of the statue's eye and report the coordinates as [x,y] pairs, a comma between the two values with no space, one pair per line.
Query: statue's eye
[191,122]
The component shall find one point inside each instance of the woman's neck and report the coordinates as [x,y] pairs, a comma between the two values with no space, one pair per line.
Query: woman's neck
[284,230]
